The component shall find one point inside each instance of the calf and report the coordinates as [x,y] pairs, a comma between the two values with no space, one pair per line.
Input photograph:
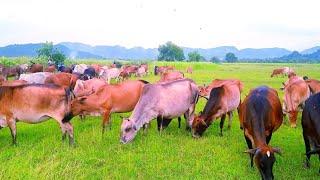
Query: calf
[165,100]
[260,115]
[35,103]
[171,76]
[223,100]
[311,127]
[108,99]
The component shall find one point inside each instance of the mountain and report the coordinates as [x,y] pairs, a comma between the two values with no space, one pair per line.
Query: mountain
[311,50]
[80,51]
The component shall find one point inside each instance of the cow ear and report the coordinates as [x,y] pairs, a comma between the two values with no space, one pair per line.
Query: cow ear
[82,99]
[277,150]
[251,151]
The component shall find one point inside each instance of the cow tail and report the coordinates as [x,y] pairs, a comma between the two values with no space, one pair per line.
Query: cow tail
[68,114]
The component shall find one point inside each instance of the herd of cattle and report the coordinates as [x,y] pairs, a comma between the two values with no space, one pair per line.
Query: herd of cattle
[62,93]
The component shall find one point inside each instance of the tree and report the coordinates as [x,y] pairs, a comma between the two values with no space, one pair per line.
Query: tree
[231,58]
[48,52]
[215,59]
[170,52]
[195,56]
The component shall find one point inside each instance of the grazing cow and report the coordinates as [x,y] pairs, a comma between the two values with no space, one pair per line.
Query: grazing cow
[85,88]
[80,68]
[35,103]
[314,85]
[36,68]
[109,99]
[64,69]
[108,74]
[51,68]
[161,69]
[189,70]
[65,80]
[311,127]
[88,74]
[171,76]
[296,91]
[12,71]
[164,100]
[141,72]
[35,78]
[282,71]
[223,100]
[260,115]
[205,90]
[130,69]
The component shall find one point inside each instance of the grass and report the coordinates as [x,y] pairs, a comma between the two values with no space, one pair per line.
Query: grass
[174,154]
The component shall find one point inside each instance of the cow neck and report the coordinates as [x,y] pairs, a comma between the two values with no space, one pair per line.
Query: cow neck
[259,136]
[140,118]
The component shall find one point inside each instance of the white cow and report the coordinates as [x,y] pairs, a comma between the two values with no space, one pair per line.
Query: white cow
[36,78]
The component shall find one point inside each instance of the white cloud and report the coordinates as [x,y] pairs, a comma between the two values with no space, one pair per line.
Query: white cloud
[148,23]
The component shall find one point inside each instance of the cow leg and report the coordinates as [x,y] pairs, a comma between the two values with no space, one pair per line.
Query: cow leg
[249,143]
[13,130]
[165,123]
[159,122]
[190,117]
[63,130]
[307,146]
[69,130]
[230,114]
[106,120]
[293,118]
[179,122]
[268,138]
[223,117]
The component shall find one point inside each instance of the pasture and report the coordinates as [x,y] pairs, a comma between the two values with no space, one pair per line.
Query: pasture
[174,154]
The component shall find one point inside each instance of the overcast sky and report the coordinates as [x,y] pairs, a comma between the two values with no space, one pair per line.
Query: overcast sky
[292,24]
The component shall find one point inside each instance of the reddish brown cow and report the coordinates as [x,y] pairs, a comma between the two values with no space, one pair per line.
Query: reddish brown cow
[189,70]
[171,76]
[12,71]
[35,103]
[260,115]
[51,68]
[162,69]
[36,68]
[65,80]
[108,99]
[314,85]
[130,69]
[223,100]
[97,68]
[296,91]
[282,71]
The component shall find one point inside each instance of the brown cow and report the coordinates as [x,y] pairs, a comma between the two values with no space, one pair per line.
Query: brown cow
[282,71]
[205,90]
[171,76]
[65,80]
[51,68]
[223,100]
[35,103]
[36,68]
[296,91]
[96,67]
[162,69]
[314,85]
[108,99]
[12,71]
[260,115]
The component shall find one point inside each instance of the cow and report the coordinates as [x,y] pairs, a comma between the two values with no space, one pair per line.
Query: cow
[108,74]
[35,103]
[65,80]
[311,127]
[282,71]
[260,115]
[80,68]
[161,69]
[205,90]
[314,85]
[35,78]
[12,71]
[96,67]
[64,69]
[109,99]
[171,76]
[145,67]
[83,88]
[222,101]
[130,69]
[296,91]
[88,73]
[35,68]
[189,70]
[52,68]
[141,72]
[165,100]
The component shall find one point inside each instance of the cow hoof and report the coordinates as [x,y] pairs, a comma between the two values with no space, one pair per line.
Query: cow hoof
[306,165]
[293,125]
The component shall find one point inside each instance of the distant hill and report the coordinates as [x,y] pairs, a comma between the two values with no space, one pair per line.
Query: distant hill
[80,50]
[295,56]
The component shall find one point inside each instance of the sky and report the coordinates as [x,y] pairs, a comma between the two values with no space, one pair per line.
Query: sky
[291,24]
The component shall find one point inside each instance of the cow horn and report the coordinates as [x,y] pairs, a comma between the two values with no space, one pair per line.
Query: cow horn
[251,151]
[203,122]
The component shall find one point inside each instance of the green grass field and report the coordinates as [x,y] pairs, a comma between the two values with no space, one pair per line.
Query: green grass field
[174,154]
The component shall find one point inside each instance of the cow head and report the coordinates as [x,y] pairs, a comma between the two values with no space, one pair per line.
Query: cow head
[128,131]
[204,91]
[264,159]
[77,105]
[198,126]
